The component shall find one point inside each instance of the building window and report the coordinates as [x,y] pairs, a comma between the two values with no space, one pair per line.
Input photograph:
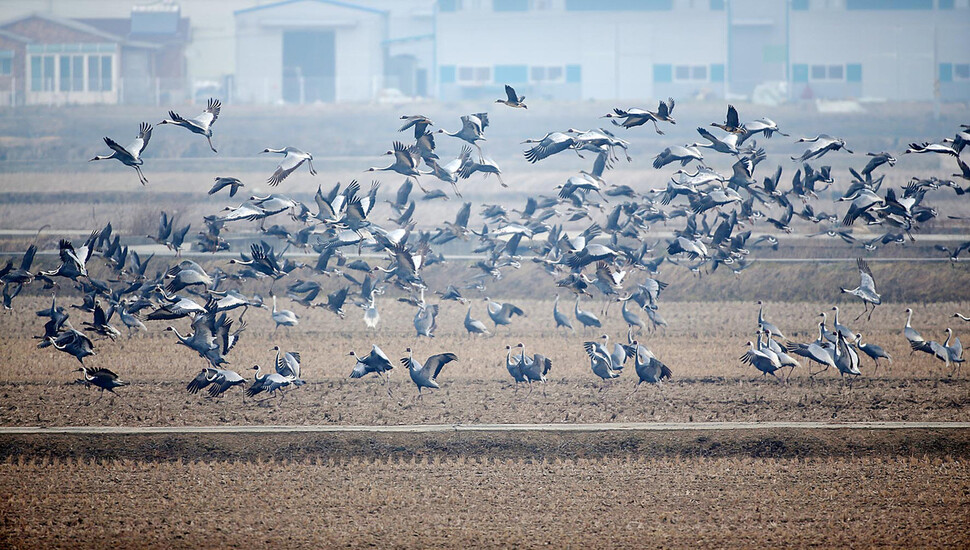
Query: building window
[662,73]
[717,72]
[853,72]
[690,73]
[449,5]
[547,75]
[474,75]
[574,73]
[511,74]
[717,5]
[447,74]
[889,4]
[6,66]
[619,5]
[510,5]
[961,71]
[99,73]
[799,5]
[827,72]
[42,73]
[71,77]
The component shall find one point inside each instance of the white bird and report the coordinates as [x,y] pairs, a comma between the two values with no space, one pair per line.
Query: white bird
[283,317]
[292,159]
[866,291]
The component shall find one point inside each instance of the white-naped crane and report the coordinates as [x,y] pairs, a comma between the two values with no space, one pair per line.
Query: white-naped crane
[560,318]
[130,155]
[283,317]
[534,368]
[502,313]
[268,383]
[374,362]
[600,360]
[916,342]
[866,291]
[873,351]
[817,351]
[764,324]
[103,379]
[821,144]
[585,318]
[512,99]
[649,369]
[201,124]
[548,145]
[474,326]
[218,381]
[763,125]
[635,117]
[761,358]
[472,130]
[293,158]
[406,159]
[514,366]
[677,153]
[288,365]
[955,349]
[71,341]
[425,375]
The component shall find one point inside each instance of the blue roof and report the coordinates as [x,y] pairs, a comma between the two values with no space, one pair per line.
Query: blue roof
[337,3]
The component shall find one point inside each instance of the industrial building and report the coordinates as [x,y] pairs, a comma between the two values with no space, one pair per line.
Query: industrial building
[304,51]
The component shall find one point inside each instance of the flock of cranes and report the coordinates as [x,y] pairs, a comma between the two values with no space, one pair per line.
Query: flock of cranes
[718,211]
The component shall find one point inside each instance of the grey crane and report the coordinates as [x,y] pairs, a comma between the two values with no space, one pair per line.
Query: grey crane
[866,291]
[873,351]
[201,124]
[130,155]
[425,375]
[293,158]
[559,317]
[630,317]
[474,326]
[102,378]
[101,324]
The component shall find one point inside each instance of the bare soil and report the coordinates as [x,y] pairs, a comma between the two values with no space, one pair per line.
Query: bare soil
[627,502]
